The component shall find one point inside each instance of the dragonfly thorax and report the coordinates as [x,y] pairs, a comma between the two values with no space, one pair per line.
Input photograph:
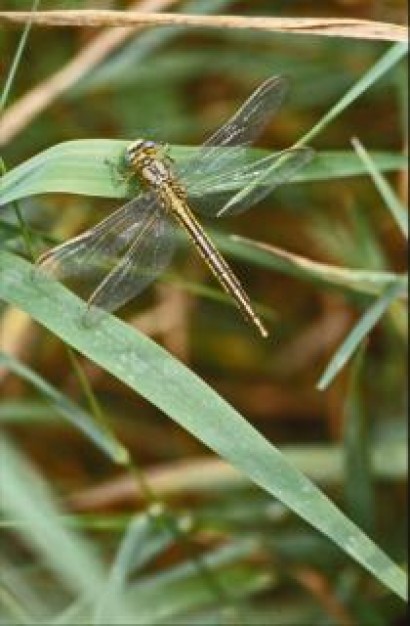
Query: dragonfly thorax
[139,149]
[147,160]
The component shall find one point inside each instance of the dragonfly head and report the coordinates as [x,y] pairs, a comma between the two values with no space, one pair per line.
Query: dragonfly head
[138,149]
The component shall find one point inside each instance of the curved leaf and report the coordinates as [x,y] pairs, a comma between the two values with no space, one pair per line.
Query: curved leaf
[148,369]
[86,167]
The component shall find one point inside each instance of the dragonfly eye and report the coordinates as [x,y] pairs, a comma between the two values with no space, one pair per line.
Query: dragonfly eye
[133,149]
[149,144]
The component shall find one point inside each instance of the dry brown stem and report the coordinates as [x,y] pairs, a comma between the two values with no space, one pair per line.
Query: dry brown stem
[141,15]
[24,110]
[166,480]
[320,588]
[327,26]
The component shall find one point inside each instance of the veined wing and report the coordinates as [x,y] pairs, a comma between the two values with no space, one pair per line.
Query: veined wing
[251,118]
[90,255]
[223,148]
[148,255]
[214,197]
[101,252]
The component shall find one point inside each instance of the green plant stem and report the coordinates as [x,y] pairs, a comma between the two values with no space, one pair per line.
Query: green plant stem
[393,203]
[383,65]
[25,231]
[17,57]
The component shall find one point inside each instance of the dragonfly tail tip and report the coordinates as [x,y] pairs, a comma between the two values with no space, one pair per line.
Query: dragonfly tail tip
[262,329]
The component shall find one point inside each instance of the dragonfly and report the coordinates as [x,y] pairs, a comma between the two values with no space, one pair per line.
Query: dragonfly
[123,254]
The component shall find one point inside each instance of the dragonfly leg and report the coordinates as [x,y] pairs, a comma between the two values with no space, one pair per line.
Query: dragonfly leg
[164,155]
[38,274]
[120,174]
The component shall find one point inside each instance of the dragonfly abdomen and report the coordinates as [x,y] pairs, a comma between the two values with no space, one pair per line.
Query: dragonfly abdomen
[180,210]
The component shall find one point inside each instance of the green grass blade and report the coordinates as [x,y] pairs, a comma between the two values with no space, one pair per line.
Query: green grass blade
[182,588]
[25,498]
[166,602]
[26,412]
[29,506]
[153,373]
[393,203]
[85,167]
[359,492]
[69,410]
[142,542]
[20,601]
[17,57]
[383,65]
[9,233]
[266,255]
[359,332]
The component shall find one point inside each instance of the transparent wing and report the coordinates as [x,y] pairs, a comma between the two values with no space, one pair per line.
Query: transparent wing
[252,183]
[281,169]
[140,230]
[89,256]
[147,256]
[249,121]
[223,148]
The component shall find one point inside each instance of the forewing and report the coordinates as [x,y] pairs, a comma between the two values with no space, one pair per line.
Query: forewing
[276,170]
[251,183]
[148,255]
[221,150]
[86,259]
[249,121]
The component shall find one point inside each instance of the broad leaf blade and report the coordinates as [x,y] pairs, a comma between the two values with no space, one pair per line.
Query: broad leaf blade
[152,372]
[87,167]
